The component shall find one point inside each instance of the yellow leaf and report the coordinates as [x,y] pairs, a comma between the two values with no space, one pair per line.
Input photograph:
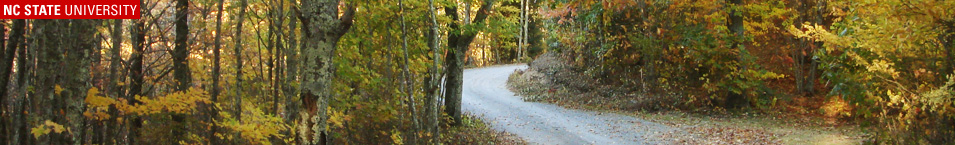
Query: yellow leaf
[92,92]
[58,128]
[39,131]
[396,137]
[57,89]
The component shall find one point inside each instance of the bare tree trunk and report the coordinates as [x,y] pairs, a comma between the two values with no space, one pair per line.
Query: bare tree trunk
[9,48]
[238,61]
[291,105]
[216,68]
[434,88]
[136,71]
[3,106]
[522,45]
[26,73]
[180,64]
[115,60]
[324,29]
[407,84]
[48,55]
[454,73]
[271,47]
[78,64]
[62,74]
[459,41]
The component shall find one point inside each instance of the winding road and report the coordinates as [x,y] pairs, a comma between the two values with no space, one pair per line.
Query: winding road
[486,96]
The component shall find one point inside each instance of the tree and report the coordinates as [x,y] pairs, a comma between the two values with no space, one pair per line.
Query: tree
[3,106]
[62,70]
[407,77]
[215,76]
[112,86]
[78,61]
[48,56]
[21,114]
[180,63]
[138,34]
[12,43]
[291,105]
[434,79]
[323,30]
[459,38]
[238,60]
[735,25]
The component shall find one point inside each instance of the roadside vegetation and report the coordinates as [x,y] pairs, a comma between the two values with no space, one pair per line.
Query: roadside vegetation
[476,131]
[858,71]
[789,124]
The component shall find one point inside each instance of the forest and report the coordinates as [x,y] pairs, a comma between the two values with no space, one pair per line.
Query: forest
[393,71]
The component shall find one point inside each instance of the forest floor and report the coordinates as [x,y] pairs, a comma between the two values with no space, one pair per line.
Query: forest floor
[539,83]
[476,131]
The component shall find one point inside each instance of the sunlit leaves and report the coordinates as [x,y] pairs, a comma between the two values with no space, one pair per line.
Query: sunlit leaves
[46,127]
[255,126]
[884,57]
[178,103]
[57,89]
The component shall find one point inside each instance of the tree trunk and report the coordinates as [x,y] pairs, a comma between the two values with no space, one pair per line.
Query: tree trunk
[138,34]
[25,68]
[452,98]
[459,41]
[213,111]
[434,88]
[62,74]
[291,105]
[3,96]
[48,55]
[115,90]
[238,61]
[271,48]
[736,29]
[11,46]
[77,62]
[820,15]
[180,64]
[407,83]
[325,28]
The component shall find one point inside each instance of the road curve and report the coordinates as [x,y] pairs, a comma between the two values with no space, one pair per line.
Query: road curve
[486,96]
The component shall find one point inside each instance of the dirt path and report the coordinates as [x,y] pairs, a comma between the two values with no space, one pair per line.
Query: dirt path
[486,95]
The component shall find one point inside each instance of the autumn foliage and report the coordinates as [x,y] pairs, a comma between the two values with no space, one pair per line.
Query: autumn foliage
[890,61]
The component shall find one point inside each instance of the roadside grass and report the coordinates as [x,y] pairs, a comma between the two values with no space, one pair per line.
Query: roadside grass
[547,80]
[475,131]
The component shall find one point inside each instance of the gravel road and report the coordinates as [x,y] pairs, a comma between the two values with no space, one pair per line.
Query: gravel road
[487,97]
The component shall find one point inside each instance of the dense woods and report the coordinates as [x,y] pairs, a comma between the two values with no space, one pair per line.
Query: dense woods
[299,72]
[391,71]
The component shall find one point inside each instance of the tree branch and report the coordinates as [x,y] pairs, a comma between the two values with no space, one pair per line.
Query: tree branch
[347,19]
[481,16]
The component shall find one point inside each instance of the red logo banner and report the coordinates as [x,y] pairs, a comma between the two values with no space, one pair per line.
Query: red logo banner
[69,9]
